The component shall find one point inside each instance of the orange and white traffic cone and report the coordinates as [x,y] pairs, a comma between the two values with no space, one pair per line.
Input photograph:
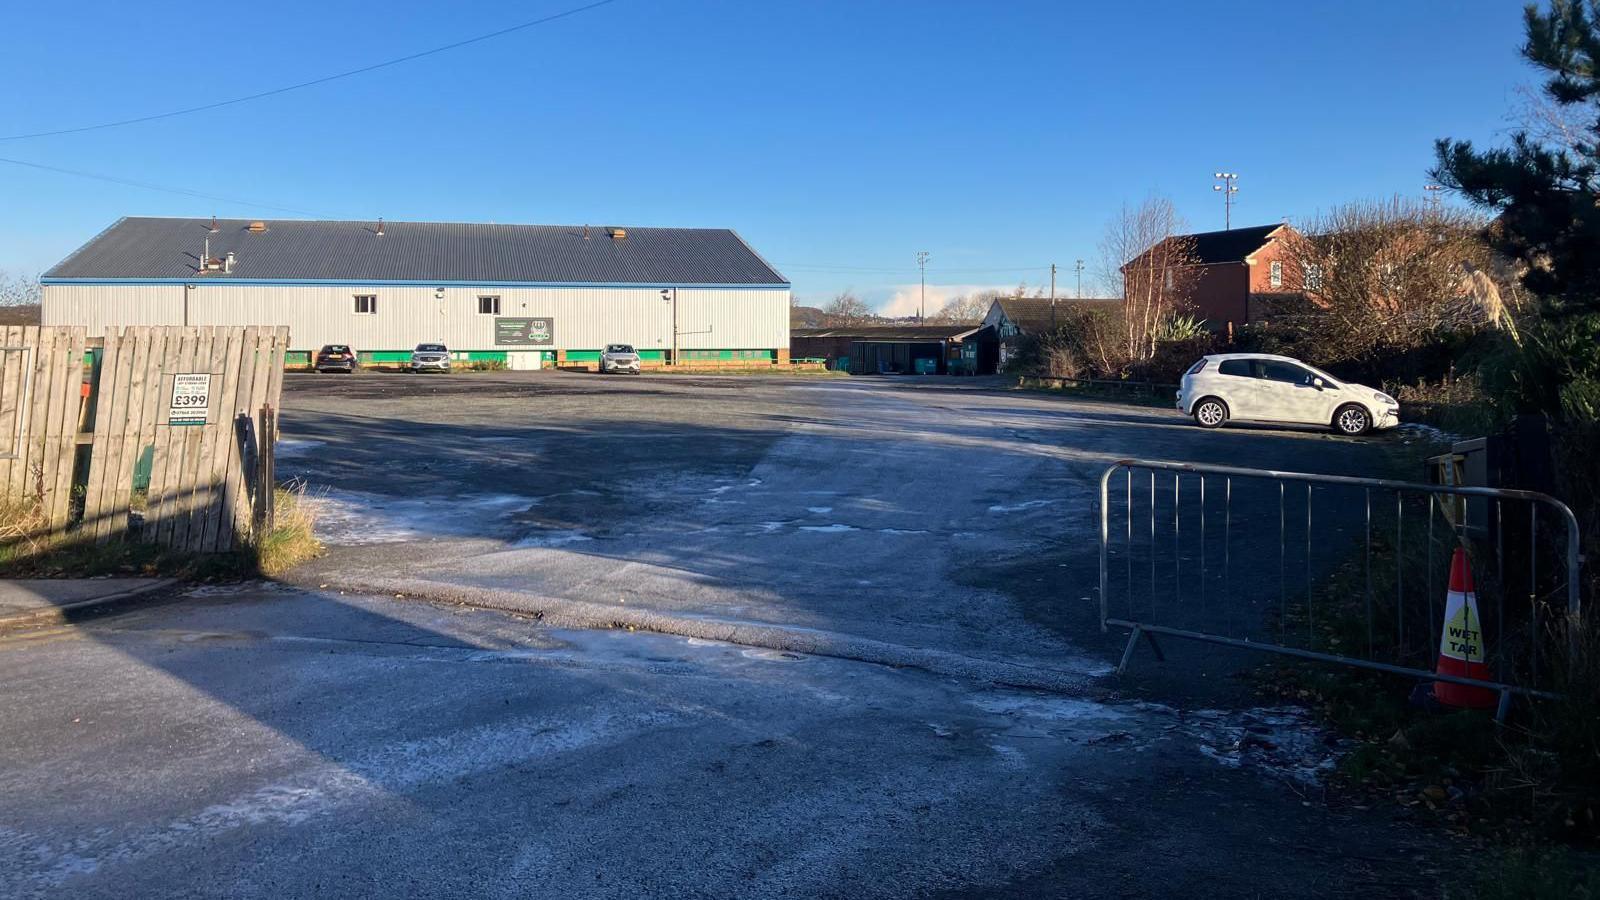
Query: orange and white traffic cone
[1461,645]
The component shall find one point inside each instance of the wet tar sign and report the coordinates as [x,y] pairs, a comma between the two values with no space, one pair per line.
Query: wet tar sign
[191,399]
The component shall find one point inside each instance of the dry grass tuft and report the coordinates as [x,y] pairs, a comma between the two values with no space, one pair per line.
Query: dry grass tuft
[293,538]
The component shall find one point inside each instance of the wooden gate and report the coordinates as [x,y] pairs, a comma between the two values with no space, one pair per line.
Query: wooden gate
[170,422]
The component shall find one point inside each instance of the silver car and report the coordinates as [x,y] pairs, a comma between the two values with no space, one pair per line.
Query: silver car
[429,358]
[619,358]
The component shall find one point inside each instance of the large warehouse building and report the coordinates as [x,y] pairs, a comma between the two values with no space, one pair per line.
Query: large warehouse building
[528,295]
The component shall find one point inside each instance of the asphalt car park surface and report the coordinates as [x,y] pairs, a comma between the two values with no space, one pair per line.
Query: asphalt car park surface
[328,737]
[952,515]
[262,741]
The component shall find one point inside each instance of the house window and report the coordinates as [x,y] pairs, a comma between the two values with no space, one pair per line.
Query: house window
[488,306]
[1276,278]
[366,304]
[1313,277]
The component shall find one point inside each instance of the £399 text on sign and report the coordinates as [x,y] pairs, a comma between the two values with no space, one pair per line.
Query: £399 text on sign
[191,399]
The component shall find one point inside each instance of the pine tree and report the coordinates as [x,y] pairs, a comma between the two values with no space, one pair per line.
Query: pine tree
[1547,202]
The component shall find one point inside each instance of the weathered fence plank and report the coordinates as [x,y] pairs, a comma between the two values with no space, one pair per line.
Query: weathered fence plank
[10,367]
[108,417]
[218,532]
[175,491]
[66,404]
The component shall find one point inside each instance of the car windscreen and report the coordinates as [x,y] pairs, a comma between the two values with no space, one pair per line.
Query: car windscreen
[619,348]
[336,348]
[430,348]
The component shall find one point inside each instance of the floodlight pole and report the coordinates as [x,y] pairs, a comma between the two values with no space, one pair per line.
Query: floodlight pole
[1078,268]
[1435,195]
[1227,188]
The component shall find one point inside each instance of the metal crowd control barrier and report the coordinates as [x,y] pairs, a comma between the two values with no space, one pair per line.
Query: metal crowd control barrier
[1234,556]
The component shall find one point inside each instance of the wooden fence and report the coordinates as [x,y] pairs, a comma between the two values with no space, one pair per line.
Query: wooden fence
[160,434]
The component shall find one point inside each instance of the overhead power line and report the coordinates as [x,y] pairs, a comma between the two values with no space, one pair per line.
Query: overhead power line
[158,187]
[896,270]
[233,101]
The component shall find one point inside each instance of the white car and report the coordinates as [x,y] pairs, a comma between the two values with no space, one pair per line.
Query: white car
[429,358]
[619,358]
[1263,388]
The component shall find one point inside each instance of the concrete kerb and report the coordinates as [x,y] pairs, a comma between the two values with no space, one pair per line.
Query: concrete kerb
[52,614]
[563,613]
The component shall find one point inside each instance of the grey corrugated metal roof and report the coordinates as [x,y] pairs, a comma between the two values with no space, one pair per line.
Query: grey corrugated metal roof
[301,250]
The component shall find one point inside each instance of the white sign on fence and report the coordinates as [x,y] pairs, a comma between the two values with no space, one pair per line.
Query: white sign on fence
[191,399]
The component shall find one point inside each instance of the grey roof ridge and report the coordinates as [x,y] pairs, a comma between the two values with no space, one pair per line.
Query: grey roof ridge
[85,245]
[753,252]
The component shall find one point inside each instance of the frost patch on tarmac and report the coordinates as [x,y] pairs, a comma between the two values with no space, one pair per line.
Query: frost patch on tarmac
[1020,507]
[834,528]
[1281,741]
[1046,706]
[382,775]
[352,518]
[290,448]
[552,539]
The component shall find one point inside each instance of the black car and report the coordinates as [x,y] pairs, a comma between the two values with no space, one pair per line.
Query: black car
[337,358]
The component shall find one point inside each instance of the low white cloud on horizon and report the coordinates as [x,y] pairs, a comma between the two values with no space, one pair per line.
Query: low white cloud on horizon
[906,300]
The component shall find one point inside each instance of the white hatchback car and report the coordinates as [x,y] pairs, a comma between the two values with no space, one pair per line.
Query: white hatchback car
[1265,388]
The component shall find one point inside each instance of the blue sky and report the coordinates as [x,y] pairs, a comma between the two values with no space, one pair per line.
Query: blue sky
[838,137]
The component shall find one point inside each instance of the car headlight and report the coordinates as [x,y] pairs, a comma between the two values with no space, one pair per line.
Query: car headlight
[1387,400]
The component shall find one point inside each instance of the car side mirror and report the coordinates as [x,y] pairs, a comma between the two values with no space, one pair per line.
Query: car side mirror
[1318,383]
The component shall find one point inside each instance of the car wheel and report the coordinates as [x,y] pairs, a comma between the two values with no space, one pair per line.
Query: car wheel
[1210,413]
[1351,420]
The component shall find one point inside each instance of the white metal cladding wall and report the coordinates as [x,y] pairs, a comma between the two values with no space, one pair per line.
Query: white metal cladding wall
[95,306]
[585,318]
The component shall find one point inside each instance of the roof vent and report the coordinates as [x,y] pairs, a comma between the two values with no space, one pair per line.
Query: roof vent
[586,232]
[619,234]
[227,263]
[258,227]
[213,224]
[379,232]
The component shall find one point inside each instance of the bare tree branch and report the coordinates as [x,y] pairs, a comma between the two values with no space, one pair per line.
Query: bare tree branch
[846,309]
[17,289]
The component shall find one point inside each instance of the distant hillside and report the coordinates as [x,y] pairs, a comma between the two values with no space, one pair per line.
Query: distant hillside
[807,317]
[27,314]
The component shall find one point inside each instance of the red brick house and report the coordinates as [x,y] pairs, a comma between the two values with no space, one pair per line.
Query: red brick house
[1234,275]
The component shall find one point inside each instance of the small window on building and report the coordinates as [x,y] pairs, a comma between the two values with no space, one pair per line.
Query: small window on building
[1277,273]
[366,304]
[488,306]
[1313,277]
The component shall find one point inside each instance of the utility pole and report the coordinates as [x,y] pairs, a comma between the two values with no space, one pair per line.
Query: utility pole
[1227,189]
[1079,269]
[922,305]
[1052,296]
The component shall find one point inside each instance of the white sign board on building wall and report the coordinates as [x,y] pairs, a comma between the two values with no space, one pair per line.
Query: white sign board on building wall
[191,399]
